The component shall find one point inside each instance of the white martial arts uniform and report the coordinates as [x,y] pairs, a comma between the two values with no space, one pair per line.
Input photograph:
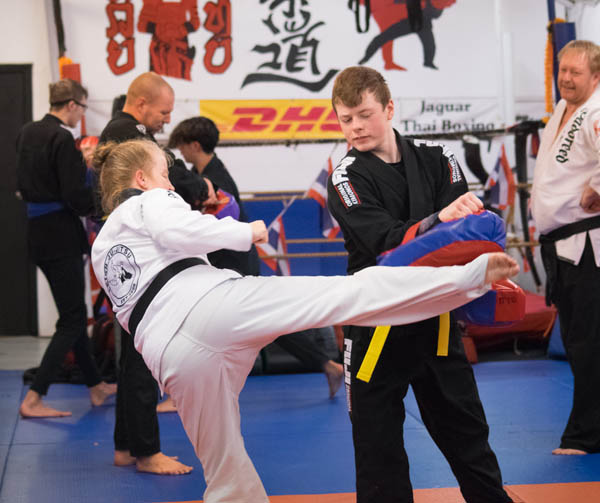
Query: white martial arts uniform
[567,161]
[204,328]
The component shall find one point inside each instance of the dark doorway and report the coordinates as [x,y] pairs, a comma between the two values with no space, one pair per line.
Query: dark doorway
[18,306]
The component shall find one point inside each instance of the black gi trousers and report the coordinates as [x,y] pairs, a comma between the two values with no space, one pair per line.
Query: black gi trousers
[136,425]
[67,284]
[578,302]
[450,408]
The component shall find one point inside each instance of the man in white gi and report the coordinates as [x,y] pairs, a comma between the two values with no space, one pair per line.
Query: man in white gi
[566,208]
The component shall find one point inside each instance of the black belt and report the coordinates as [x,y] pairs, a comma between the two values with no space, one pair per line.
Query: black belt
[570,230]
[548,250]
[157,283]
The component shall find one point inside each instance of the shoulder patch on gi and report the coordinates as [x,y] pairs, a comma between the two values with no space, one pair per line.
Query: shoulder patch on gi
[121,274]
[141,128]
[343,187]
[455,174]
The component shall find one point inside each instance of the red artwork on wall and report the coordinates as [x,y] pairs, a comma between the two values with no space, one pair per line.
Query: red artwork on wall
[123,26]
[170,23]
[218,21]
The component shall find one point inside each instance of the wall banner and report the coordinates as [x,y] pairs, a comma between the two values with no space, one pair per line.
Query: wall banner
[440,59]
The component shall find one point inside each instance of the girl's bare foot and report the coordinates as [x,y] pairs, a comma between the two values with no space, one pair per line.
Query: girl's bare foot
[100,392]
[162,465]
[123,458]
[500,266]
[167,405]
[33,406]
[568,452]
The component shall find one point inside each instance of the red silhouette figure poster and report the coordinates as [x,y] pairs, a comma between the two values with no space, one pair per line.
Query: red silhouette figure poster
[170,23]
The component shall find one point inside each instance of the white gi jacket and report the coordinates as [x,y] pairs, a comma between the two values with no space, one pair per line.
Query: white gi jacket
[567,161]
[141,237]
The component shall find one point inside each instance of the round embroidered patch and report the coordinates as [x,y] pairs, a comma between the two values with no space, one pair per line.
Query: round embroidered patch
[121,274]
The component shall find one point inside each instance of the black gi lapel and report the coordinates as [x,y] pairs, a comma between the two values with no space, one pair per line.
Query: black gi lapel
[381,169]
[417,198]
[127,193]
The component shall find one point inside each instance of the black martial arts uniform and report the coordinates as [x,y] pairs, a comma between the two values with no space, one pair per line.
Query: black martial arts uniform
[136,426]
[51,177]
[375,204]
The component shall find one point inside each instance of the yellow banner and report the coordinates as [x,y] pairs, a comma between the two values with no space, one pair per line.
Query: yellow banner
[273,119]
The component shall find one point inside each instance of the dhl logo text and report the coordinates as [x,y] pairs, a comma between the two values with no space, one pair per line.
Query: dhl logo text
[274,119]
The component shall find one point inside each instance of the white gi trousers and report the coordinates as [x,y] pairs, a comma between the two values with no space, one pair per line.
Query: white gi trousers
[205,365]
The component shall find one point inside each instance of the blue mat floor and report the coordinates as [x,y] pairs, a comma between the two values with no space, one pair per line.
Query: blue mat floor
[299,440]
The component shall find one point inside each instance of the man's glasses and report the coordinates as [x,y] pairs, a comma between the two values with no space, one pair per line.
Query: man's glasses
[81,104]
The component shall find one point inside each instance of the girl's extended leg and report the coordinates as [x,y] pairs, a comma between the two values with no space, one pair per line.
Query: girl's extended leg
[253,311]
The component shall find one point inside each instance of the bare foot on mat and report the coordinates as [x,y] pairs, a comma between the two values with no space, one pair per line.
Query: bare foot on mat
[162,465]
[33,406]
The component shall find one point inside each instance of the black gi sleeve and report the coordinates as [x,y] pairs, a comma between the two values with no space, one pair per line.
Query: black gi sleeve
[71,175]
[188,184]
[365,218]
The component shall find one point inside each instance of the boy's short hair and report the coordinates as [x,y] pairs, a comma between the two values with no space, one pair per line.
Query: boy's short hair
[200,129]
[65,90]
[352,82]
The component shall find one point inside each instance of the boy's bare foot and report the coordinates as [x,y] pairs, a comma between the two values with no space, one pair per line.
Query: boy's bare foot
[162,465]
[568,452]
[123,458]
[100,392]
[167,405]
[500,266]
[334,372]
[33,406]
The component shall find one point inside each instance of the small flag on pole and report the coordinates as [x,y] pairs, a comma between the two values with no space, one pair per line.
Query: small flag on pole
[276,245]
[318,191]
[501,183]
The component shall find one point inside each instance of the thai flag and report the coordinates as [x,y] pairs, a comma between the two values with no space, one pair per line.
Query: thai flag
[318,191]
[501,183]
[275,246]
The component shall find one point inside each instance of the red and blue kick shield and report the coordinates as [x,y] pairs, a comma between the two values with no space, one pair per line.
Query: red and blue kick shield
[456,243]
[453,243]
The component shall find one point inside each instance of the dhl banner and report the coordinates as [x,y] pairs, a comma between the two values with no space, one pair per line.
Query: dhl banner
[272,119]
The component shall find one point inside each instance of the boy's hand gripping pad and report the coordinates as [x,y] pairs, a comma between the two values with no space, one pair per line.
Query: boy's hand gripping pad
[457,243]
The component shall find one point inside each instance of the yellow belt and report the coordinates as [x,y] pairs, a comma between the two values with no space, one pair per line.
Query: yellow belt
[378,340]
